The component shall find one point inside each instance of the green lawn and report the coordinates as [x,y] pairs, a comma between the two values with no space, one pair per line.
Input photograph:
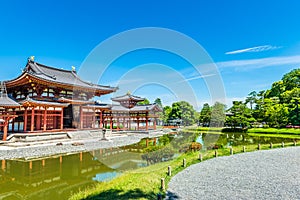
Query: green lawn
[144,183]
[275,130]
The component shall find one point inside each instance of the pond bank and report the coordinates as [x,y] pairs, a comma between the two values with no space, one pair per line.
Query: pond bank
[30,150]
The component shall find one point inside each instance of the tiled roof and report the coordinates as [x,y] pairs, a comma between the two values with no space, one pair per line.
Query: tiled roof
[7,102]
[150,107]
[128,97]
[68,77]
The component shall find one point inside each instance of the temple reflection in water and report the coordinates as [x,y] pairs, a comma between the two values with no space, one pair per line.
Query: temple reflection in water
[59,176]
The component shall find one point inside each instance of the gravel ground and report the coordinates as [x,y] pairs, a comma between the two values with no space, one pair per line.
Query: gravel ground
[271,174]
[19,150]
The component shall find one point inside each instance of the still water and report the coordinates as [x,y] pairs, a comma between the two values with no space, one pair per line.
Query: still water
[57,177]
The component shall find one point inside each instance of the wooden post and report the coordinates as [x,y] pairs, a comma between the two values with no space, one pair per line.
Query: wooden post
[169,171]
[271,145]
[244,148]
[80,156]
[62,119]
[45,120]
[216,153]
[154,124]
[147,122]
[5,129]
[200,157]
[162,182]
[101,120]
[184,162]
[231,150]
[25,120]
[30,165]
[111,123]
[81,117]
[258,146]
[43,163]
[282,144]
[32,120]
[138,123]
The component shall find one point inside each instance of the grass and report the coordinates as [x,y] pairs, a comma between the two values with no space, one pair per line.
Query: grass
[275,130]
[144,183]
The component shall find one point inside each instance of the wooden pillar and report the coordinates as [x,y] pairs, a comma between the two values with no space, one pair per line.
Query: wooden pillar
[62,119]
[81,117]
[101,120]
[13,123]
[45,119]
[138,123]
[38,120]
[5,129]
[32,120]
[25,120]
[123,123]
[94,118]
[154,124]
[118,123]
[111,123]
[147,122]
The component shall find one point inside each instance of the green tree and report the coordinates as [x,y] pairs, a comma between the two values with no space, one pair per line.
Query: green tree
[205,115]
[166,113]
[158,102]
[240,115]
[218,115]
[184,111]
[251,99]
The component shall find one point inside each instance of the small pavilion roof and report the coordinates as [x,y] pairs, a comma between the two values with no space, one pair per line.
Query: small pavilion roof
[59,76]
[128,97]
[6,102]
[137,108]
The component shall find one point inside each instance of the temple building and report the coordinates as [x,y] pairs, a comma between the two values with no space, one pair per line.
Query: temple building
[44,99]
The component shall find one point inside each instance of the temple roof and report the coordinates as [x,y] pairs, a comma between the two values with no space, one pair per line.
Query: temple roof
[138,108]
[60,76]
[128,97]
[29,101]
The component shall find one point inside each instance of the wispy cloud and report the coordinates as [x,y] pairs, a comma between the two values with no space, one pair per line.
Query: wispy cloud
[197,77]
[254,49]
[260,63]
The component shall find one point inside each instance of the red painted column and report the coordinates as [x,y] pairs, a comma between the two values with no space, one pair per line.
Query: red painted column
[101,120]
[81,117]
[45,119]
[62,119]
[32,120]
[146,122]
[138,123]
[154,123]
[25,120]
[5,129]
[111,123]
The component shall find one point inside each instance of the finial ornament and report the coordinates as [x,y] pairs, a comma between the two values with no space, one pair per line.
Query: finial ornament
[128,92]
[73,68]
[31,58]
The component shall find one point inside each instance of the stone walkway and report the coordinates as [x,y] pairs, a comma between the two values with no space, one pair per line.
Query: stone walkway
[270,174]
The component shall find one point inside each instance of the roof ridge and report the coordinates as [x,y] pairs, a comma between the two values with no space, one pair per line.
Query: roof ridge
[51,67]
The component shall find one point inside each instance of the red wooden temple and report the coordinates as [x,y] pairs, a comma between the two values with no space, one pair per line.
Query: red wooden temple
[44,98]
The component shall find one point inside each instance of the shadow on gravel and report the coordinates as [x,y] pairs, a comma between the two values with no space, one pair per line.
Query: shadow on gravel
[114,194]
[172,196]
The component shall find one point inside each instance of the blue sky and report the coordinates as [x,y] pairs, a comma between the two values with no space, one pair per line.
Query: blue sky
[253,43]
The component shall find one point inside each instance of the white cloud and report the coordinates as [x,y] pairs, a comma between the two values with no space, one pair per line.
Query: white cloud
[254,49]
[197,77]
[261,62]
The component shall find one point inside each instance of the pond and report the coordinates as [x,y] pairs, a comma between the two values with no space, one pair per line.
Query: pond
[57,177]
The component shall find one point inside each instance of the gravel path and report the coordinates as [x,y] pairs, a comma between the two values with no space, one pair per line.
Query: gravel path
[48,148]
[271,174]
